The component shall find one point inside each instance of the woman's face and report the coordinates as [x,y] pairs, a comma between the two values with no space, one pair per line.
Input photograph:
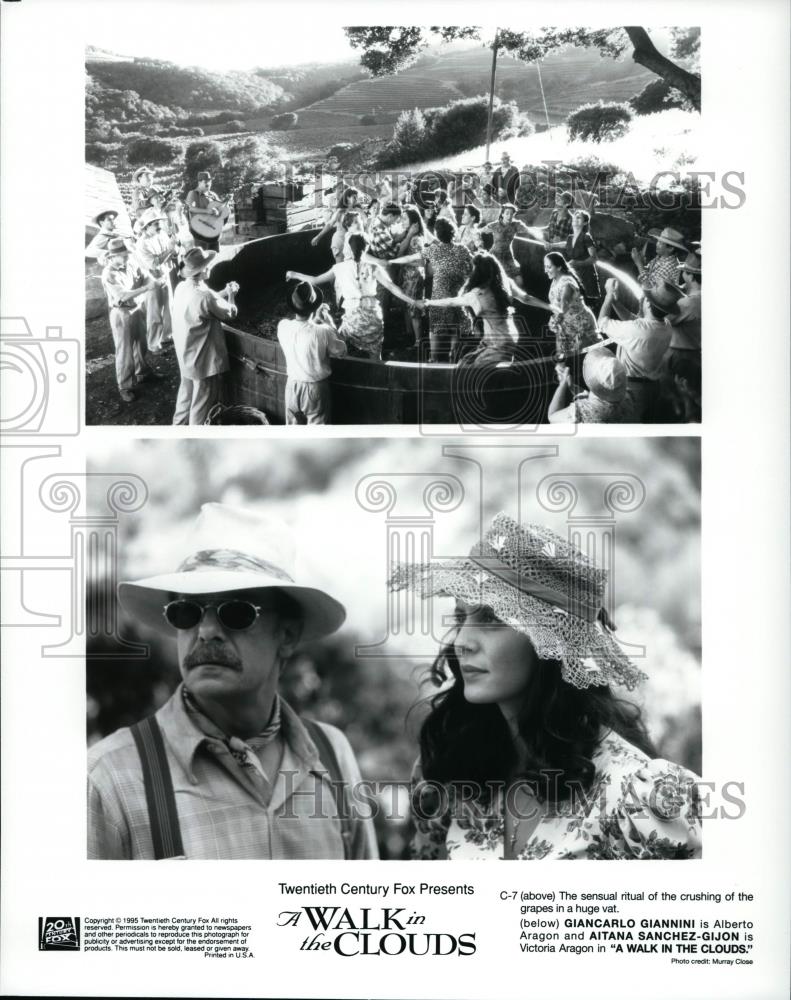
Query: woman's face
[416,244]
[508,215]
[578,220]
[550,270]
[496,661]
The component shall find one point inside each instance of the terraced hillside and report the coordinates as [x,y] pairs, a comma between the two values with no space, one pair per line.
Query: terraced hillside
[389,96]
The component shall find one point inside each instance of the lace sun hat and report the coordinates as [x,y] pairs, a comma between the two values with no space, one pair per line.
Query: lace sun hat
[539,584]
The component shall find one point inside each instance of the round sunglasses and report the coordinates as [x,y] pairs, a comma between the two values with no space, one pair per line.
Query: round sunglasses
[234,615]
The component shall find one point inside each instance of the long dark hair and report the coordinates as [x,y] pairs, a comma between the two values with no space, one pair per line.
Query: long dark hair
[561,726]
[560,261]
[415,219]
[487,272]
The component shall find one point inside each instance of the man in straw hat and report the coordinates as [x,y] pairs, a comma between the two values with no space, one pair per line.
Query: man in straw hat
[124,285]
[198,336]
[235,773]
[106,221]
[643,340]
[664,264]
[156,253]
[606,400]
[308,342]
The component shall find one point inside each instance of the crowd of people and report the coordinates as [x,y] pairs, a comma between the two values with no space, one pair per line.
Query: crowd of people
[445,267]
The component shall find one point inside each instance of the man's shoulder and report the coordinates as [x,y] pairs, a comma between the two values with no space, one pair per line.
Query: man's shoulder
[116,750]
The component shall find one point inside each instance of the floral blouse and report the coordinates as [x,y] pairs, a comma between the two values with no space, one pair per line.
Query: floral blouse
[637,809]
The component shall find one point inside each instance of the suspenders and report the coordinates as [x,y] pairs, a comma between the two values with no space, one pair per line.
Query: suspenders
[161,801]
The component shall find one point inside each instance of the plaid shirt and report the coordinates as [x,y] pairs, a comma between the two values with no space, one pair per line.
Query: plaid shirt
[381,242]
[558,229]
[658,269]
[222,815]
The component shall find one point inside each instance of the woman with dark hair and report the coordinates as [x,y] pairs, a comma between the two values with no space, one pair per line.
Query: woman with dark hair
[448,263]
[413,276]
[355,280]
[580,252]
[443,206]
[572,322]
[504,231]
[430,216]
[487,293]
[347,203]
[526,751]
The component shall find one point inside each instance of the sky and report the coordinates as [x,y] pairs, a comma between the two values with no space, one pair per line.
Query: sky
[252,38]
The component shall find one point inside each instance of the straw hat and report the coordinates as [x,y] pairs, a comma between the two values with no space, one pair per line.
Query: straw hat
[668,235]
[539,584]
[97,219]
[117,245]
[141,170]
[196,260]
[604,375]
[151,215]
[233,549]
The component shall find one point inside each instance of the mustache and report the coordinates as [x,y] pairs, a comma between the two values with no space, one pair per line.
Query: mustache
[211,652]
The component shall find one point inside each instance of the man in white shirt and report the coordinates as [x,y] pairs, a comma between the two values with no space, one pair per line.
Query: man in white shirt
[643,340]
[308,342]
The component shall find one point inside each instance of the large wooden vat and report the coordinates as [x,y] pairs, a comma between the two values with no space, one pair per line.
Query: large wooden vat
[369,392]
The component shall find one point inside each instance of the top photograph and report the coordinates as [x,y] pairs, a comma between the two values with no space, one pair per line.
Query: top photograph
[455,226]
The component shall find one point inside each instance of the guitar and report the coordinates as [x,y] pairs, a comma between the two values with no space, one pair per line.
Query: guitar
[210,227]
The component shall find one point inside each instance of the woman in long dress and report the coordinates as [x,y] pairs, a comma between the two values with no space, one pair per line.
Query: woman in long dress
[527,751]
[572,322]
[580,252]
[355,280]
[413,276]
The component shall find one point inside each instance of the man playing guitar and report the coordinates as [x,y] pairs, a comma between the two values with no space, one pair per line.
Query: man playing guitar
[203,206]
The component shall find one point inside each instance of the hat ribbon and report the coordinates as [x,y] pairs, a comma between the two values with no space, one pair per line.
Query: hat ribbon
[522,582]
[231,559]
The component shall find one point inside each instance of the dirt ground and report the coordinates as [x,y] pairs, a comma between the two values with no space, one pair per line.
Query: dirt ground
[156,399]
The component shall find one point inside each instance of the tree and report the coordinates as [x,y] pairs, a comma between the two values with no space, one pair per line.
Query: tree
[599,122]
[409,135]
[658,95]
[389,49]
[244,165]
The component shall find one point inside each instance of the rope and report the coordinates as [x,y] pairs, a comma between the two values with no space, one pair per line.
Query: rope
[543,98]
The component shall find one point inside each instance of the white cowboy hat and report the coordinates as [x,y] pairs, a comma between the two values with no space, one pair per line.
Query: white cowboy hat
[541,585]
[233,549]
[151,215]
[668,235]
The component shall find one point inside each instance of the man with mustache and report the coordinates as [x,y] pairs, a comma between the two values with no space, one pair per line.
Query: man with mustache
[226,769]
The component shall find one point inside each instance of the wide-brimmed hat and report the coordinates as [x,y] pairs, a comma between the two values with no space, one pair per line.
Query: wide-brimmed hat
[203,175]
[195,260]
[151,215]
[605,375]
[665,295]
[115,246]
[142,170]
[539,584]
[304,298]
[692,263]
[668,235]
[233,549]
[97,219]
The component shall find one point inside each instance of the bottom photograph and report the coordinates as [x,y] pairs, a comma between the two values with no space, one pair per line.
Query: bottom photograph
[476,648]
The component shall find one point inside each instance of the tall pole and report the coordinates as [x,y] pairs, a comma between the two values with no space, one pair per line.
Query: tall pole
[495,46]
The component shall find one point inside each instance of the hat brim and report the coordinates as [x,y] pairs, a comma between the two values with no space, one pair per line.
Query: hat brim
[590,656]
[189,272]
[658,238]
[144,599]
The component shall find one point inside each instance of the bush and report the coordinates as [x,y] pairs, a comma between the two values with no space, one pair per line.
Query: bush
[98,153]
[149,150]
[280,123]
[236,125]
[599,122]
[451,129]
[205,155]
[658,95]
[368,119]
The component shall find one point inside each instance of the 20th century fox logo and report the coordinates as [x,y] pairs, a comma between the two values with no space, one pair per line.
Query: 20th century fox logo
[58,933]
